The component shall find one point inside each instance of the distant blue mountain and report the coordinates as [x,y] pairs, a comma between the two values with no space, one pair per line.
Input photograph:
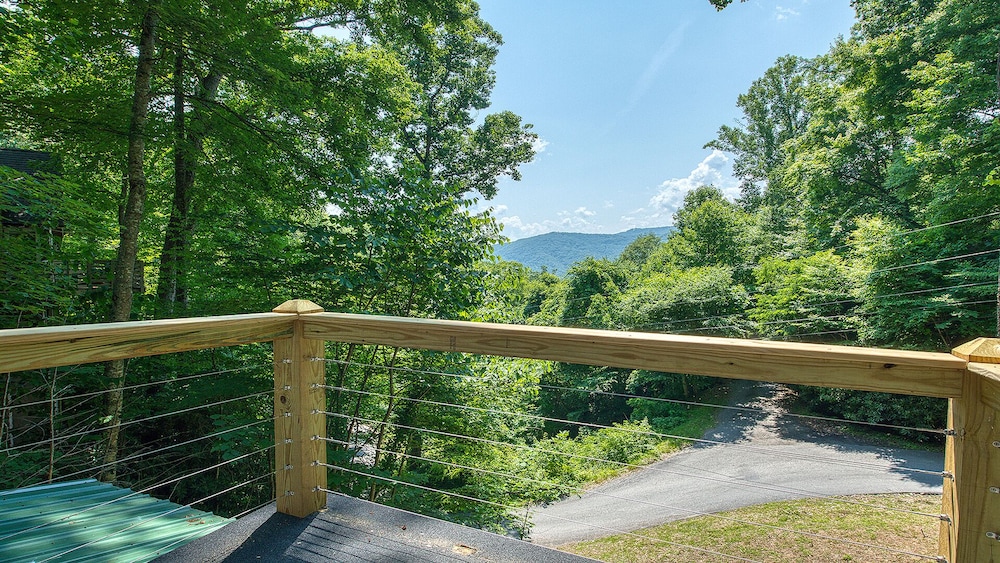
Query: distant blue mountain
[558,251]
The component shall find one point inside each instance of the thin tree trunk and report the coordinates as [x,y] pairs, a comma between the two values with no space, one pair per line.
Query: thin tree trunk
[341,428]
[173,242]
[172,287]
[363,387]
[6,413]
[385,422]
[52,424]
[130,219]
[401,445]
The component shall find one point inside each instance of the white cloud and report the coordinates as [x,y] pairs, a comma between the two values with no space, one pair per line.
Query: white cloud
[579,220]
[514,228]
[539,145]
[714,170]
[782,13]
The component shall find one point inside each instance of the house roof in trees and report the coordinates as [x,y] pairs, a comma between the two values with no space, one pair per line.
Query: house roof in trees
[92,521]
[23,160]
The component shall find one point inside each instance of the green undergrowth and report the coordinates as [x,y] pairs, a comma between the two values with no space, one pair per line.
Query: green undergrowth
[882,438]
[873,435]
[568,465]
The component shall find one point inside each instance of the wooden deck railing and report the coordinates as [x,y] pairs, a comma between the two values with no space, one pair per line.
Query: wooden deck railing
[969,378]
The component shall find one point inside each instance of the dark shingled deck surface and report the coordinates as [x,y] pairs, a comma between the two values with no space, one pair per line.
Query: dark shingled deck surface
[352,530]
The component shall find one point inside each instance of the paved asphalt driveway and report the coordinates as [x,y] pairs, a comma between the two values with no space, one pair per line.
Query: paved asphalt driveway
[777,457]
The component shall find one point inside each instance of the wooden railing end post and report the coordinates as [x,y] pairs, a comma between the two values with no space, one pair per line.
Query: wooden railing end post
[971,494]
[299,423]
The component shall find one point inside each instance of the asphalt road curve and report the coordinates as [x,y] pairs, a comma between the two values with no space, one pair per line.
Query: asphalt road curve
[767,456]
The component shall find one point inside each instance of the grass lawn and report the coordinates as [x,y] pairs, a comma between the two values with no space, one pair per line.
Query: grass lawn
[864,524]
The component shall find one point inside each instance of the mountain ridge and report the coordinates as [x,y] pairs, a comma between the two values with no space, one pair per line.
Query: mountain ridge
[557,251]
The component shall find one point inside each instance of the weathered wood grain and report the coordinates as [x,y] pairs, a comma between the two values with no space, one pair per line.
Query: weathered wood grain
[892,371]
[34,348]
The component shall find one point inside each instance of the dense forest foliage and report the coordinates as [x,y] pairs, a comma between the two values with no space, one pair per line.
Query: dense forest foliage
[236,158]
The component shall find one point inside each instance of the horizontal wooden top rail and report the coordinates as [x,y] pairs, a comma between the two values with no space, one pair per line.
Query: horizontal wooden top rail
[870,369]
[44,347]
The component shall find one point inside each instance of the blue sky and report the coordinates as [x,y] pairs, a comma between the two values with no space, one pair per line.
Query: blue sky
[624,95]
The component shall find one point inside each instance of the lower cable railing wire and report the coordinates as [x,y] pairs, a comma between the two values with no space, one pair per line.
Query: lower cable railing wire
[182,539]
[700,474]
[661,435]
[598,392]
[134,422]
[171,381]
[252,509]
[501,505]
[173,446]
[69,426]
[582,489]
[389,424]
[392,398]
[629,500]
[161,515]
[143,491]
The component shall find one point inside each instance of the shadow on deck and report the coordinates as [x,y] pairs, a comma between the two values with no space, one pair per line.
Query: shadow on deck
[358,531]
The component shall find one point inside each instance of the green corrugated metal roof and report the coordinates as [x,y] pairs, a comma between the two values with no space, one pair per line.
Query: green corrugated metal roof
[92,521]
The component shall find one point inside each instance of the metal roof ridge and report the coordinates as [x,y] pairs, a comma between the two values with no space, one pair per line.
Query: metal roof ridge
[42,487]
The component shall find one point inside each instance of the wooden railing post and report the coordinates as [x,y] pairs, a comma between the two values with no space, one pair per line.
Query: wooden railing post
[298,407]
[971,498]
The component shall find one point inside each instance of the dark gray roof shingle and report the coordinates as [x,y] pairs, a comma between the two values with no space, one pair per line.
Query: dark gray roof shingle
[22,160]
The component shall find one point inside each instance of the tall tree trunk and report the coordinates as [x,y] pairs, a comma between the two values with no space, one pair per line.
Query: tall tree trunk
[130,218]
[173,243]
[340,428]
[172,288]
